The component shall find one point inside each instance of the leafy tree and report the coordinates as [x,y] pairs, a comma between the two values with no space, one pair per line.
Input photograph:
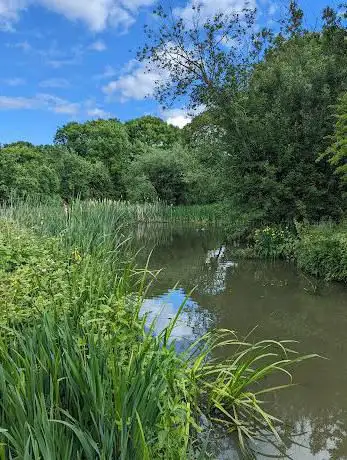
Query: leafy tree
[78,176]
[24,169]
[152,132]
[274,141]
[165,170]
[99,140]
[270,94]
[337,151]
[201,55]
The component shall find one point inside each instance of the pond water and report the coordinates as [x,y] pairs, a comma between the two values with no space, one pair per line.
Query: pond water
[281,303]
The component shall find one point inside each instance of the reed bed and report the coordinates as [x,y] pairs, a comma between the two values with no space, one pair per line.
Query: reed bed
[34,212]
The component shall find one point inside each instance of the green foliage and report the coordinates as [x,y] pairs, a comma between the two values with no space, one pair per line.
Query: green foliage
[82,395]
[322,251]
[152,132]
[269,109]
[32,272]
[162,173]
[78,176]
[177,175]
[100,140]
[274,243]
[196,214]
[23,168]
[319,250]
[275,139]
[337,152]
[84,399]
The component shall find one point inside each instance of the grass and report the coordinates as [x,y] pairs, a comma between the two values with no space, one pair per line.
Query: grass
[34,211]
[198,214]
[83,376]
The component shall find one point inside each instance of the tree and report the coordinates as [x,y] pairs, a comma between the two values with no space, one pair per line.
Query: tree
[161,174]
[100,140]
[337,151]
[24,169]
[152,132]
[273,143]
[200,56]
[78,177]
[270,98]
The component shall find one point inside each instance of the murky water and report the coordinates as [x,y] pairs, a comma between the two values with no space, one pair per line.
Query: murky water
[284,304]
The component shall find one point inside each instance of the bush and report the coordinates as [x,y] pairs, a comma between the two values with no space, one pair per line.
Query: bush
[322,251]
[32,271]
[274,243]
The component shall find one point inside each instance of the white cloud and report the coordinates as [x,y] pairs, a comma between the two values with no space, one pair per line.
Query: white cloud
[58,105]
[96,14]
[177,117]
[40,101]
[14,81]
[9,10]
[109,72]
[98,113]
[99,45]
[16,103]
[136,83]
[180,117]
[55,83]
[43,101]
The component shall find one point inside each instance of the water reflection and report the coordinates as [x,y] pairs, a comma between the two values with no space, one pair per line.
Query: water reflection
[192,322]
[240,295]
[217,266]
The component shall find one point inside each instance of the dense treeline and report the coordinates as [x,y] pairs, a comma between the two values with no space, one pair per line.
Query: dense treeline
[270,142]
[141,160]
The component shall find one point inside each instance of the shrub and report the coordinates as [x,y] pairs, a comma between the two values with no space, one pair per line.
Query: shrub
[322,251]
[274,243]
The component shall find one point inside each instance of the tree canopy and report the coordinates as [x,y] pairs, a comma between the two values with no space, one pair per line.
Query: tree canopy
[269,98]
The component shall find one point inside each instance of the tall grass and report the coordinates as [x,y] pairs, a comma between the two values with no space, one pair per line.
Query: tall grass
[69,392]
[34,212]
[213,214]
[82,374]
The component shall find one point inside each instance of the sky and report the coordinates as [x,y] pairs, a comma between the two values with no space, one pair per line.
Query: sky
[75,60]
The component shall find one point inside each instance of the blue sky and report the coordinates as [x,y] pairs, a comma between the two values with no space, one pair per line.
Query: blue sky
[64,60]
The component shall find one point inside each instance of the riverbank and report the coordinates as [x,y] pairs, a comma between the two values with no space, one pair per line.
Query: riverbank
[318,250]
[94,380]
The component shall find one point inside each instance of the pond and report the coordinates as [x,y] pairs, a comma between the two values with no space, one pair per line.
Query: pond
[277,300]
